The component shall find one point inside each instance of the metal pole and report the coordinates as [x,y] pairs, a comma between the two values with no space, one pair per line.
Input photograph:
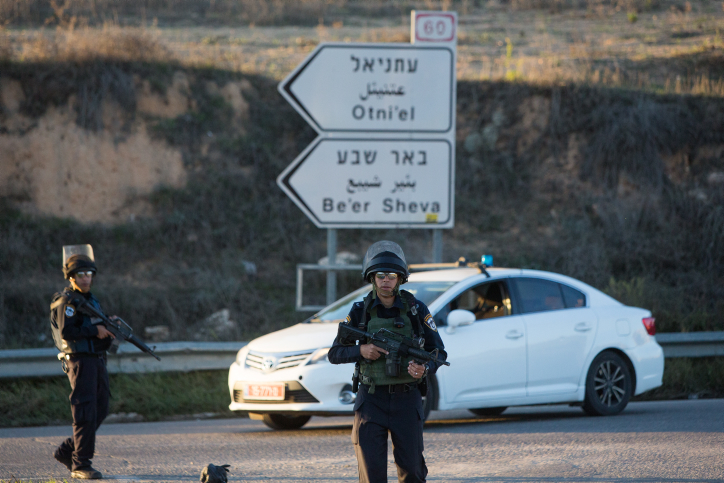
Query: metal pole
[300,282]
[437,246]
[331,260]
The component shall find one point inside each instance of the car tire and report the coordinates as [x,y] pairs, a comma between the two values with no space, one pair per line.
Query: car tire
[608,385]
[282,421]
[488,411]
[428,401]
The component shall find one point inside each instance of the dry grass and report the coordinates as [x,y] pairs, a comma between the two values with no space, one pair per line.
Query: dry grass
[84,45]
[132,11]
[665,51]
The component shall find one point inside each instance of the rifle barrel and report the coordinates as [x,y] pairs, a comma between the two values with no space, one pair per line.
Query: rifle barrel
[117,330]
[141,345]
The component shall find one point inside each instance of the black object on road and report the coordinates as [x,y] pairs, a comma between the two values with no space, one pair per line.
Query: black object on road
[214,474]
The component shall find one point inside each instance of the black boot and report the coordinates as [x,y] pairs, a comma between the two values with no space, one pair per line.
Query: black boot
[88,473]
[66,460]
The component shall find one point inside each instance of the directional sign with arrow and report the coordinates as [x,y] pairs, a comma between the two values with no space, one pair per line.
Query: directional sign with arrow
[373,183]
[385,114]
[375,88]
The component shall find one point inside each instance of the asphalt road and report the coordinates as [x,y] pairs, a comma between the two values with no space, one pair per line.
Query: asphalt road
[673,441]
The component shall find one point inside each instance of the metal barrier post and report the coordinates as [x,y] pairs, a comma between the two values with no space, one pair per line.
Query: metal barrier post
[331,261]
[437,246]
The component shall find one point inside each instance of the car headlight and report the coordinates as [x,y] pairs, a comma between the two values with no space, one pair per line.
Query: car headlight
[241,355]
[319,356]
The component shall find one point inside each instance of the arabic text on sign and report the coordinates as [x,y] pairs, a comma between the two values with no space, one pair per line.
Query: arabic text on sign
[356,186]
[407,183]
[385,90]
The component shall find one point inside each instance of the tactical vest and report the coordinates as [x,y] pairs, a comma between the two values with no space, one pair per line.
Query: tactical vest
[79,346]
[373,373]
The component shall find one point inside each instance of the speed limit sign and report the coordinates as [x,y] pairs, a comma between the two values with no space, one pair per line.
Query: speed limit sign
[438,27]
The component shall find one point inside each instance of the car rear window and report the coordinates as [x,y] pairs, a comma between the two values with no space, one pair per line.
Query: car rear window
[537,295]
[572,297]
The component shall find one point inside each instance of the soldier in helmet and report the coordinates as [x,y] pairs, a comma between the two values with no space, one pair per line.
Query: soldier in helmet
[388,403]
[83,346]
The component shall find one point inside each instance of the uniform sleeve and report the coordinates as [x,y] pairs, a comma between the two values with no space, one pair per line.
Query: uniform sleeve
[345,351]
[432,337]
[70,323]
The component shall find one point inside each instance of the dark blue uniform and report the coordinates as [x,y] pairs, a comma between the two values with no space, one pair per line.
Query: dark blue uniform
[396,409]
[86,369]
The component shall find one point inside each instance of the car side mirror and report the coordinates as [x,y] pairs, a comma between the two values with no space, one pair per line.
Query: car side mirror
[459,318]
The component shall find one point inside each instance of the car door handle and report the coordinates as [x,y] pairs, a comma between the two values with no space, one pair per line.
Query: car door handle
[513,334]
[582,327]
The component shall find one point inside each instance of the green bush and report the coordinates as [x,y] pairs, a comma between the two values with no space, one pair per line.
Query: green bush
[154,396]
[686,378]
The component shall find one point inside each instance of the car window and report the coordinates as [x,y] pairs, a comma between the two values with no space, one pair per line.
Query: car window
[572,297]
[486,301]
[339,310]
[536,295]
[425,292]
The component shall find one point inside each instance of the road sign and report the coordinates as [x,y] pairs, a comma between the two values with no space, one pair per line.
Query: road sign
[385,114]
[373,183]
[375,88]
[434,27]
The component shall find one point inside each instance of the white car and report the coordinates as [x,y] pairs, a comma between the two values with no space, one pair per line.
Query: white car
[514,337]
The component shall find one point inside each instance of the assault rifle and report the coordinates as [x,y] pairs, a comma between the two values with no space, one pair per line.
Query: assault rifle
[397,346]
[118,327]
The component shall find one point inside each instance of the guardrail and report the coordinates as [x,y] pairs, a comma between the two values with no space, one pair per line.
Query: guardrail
[692,344]
[175,357]
[196,356]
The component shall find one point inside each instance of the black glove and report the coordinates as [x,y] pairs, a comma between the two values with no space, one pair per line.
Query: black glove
[214,474]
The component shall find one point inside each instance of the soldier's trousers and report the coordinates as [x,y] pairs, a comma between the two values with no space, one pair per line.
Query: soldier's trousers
[89,404]
[400,414]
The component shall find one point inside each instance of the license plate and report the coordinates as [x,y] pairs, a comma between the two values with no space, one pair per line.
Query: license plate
[265,392]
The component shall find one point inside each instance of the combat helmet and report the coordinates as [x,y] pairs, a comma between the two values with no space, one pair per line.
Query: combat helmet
[385,256]
[76,258]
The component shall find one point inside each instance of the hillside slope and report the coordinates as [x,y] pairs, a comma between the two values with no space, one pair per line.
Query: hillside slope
[622,189]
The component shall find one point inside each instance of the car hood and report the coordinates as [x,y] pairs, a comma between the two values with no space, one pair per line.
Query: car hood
[298,337]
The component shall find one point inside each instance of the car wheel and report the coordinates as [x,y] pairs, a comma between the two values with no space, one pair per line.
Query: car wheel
[281,421]
[608,385]
[429,400]
[488,411]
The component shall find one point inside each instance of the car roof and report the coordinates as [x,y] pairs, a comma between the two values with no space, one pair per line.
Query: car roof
[596,297]
[457,274]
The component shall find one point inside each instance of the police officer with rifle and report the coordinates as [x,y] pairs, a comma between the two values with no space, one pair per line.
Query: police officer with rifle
[83,334]
[398,348]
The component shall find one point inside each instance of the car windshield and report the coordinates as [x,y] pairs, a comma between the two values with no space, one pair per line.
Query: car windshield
[426,292]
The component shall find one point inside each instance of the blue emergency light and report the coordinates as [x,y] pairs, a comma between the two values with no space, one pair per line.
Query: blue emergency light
[486,260]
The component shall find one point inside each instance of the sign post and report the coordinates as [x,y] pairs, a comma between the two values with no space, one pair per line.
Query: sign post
[436,28]
[385,117]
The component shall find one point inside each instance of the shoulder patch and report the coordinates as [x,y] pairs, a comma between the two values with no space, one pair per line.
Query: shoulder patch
[430,322]
[347,319]
[69,311]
